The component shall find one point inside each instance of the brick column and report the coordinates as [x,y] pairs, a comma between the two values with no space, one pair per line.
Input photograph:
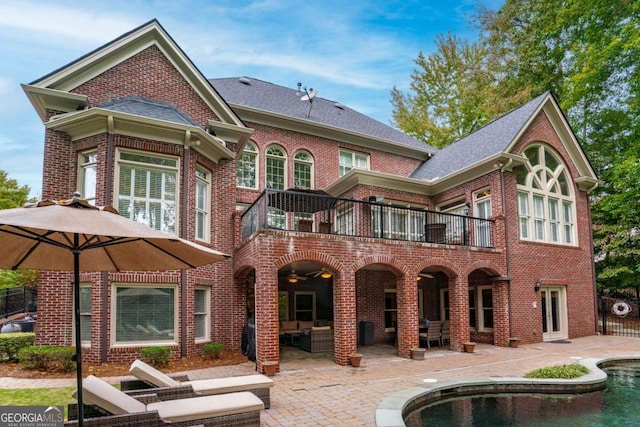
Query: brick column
[500,297]
[459,312]
[345,331]
[267,325]
[407,295]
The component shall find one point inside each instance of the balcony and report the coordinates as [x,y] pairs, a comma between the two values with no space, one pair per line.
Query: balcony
[312,211]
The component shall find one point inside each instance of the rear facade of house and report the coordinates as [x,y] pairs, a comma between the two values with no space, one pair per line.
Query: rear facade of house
[334,221]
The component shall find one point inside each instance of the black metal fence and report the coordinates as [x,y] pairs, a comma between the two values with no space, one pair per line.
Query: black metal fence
[619,317]
[310,212]
[18,300]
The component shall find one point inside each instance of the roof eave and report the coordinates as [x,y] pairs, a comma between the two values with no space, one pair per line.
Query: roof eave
[297,124]
[106,57]
[94,121]
[44,99]
[378,179]
[500,161]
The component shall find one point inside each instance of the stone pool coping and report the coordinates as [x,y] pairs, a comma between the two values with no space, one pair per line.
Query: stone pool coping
[391,411]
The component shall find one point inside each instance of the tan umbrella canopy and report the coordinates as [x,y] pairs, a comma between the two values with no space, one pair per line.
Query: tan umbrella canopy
[71,234]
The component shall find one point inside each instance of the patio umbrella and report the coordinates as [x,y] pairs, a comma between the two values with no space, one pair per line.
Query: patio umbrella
[62,235]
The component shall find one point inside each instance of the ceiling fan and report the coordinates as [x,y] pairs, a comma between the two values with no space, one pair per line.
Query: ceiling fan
[425,275]
[323,272]
[294,278]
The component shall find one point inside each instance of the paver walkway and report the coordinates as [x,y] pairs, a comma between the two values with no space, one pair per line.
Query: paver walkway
[310,390]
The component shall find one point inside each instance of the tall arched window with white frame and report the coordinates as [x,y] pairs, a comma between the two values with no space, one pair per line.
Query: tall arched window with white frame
[276,168]
[303,170]
[546,203]
[247,170]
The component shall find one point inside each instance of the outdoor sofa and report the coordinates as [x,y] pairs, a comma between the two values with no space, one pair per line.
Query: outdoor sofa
[149,377]
[105,405]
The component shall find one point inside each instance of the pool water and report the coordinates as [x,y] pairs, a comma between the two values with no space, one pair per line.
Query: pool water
[618,405]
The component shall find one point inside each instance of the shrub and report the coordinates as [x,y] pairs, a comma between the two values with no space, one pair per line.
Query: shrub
[213,350]
[573,370]
[10,344]
[155,355]
[47,357]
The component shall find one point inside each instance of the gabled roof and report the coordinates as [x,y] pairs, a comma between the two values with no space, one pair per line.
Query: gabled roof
[252,97]
[53,90]
[149,108]
[487,142]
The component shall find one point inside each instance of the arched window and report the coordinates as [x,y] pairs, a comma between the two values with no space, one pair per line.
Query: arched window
[276,168]
[303,170]
[248,167]
[546,203]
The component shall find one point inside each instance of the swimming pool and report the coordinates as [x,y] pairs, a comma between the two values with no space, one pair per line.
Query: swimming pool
[616,405]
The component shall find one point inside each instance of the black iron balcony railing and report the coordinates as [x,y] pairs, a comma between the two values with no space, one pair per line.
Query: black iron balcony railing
[315,212]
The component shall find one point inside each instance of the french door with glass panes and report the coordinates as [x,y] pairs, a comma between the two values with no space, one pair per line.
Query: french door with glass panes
[553,302]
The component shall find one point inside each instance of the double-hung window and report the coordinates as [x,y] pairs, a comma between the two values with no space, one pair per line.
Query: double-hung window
[202,204]
[545,198]
[88,163]
[147,189]
[144,314]
[349,160]
[201,304]
[85,313]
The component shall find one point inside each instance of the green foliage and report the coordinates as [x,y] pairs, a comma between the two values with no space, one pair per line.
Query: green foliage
[11,194]
[155,355]
[213,350]
[573,370]
[10,344]
[47,358]
[584,51]
[452,93]
[18,278]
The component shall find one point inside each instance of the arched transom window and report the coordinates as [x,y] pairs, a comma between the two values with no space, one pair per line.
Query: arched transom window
[248,167]
[303,170]
[546,204]
[276,167]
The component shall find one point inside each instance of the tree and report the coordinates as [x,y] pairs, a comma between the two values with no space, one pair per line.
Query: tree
[586,53]
[12,196]
[452,93]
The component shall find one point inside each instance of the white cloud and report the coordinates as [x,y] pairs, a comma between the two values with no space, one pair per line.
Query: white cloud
[52,21]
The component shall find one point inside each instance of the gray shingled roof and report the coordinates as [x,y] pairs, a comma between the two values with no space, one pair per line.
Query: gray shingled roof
[261,95]
[151,108]
[488,141]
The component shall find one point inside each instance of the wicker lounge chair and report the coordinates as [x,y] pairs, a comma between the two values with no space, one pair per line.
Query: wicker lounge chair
[112,407]
[149,377]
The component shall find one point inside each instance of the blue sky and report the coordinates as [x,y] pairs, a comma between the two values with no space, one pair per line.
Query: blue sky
[350,52]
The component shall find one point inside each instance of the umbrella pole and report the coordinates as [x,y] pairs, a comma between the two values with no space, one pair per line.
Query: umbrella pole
[78,334]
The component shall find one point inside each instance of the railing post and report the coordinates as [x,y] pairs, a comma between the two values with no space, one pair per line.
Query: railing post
[604,315]
[465,238]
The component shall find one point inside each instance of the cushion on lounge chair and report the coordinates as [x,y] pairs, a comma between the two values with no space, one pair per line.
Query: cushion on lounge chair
[97,392]
[197,408]
[148,373]
[229,384]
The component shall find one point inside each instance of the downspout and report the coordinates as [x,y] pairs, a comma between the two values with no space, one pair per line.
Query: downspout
[104,344]
[183,233]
